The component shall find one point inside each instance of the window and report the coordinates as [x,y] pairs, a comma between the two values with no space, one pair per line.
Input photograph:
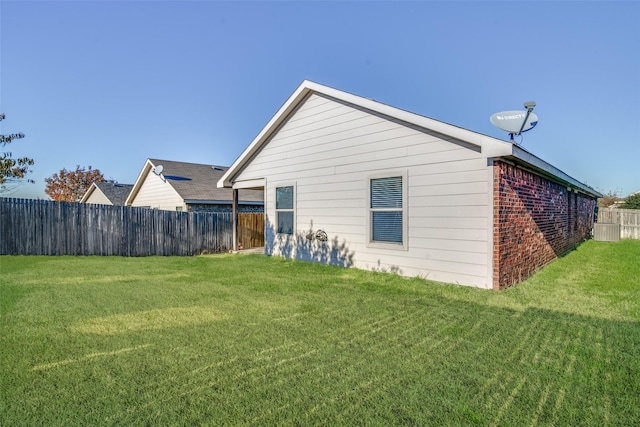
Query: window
[387,221]
[284,209]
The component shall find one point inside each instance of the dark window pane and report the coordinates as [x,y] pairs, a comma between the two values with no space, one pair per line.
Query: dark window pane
[285,222]
[386,227]
[386,192]
[284,198]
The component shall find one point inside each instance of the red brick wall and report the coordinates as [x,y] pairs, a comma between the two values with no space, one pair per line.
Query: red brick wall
[535,220]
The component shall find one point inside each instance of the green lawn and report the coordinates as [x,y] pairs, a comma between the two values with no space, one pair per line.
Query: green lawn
[252,340]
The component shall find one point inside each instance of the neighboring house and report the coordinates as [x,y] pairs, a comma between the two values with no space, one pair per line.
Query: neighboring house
[353,182]
[169,185]
[107,193]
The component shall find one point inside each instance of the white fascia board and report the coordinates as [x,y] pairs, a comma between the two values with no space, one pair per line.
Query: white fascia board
[139,181]
[88,193]
[250,184]
[283,113]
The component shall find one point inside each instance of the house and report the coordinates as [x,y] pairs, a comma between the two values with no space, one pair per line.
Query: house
[181,186]
[354,182]
[107,193]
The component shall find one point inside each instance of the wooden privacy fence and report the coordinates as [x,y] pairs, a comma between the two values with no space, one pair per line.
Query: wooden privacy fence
[629,220]
[250,230]
[41,227]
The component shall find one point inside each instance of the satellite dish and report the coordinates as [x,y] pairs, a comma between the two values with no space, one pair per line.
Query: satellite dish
[516,122]
[512,121]
[158,171]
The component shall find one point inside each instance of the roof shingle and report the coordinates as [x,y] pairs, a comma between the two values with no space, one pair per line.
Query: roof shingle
[116,193]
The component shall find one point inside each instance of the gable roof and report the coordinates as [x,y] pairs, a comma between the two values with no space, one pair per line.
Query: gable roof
[489,146]
[194,182]
[88,193]
[116,193]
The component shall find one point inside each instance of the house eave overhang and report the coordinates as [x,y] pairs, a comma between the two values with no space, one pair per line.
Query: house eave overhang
[522,157]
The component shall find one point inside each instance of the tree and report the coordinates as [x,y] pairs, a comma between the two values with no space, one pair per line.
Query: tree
[609,199]
[70,185]
[12,171]
[632,202]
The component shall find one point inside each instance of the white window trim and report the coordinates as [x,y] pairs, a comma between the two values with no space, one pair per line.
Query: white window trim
[405,209]
[275,206]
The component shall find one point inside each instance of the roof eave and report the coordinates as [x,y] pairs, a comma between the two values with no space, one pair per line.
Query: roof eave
[278,118]
[88,193]
[522,156]
[139,181]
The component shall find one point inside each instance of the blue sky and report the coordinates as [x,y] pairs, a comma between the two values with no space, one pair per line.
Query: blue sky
[110,84]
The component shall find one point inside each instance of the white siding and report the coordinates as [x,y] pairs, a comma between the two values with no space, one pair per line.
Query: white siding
[330,150]
[157,194]
[97,197]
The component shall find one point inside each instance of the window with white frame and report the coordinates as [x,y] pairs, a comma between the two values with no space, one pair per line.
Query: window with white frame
[387,210]
[284,209]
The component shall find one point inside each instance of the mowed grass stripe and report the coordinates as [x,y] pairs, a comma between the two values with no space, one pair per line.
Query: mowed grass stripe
[422,356]
[341,365]
[599,376]
[264,368]
[336,366]
[538,357]
[551,360]
[367,329]
[490,391]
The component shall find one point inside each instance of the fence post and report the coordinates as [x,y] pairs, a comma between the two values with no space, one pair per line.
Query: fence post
[234,214]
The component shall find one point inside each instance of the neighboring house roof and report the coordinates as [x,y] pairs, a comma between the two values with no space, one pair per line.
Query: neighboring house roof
[194,182]
[114,192]
[489,146]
